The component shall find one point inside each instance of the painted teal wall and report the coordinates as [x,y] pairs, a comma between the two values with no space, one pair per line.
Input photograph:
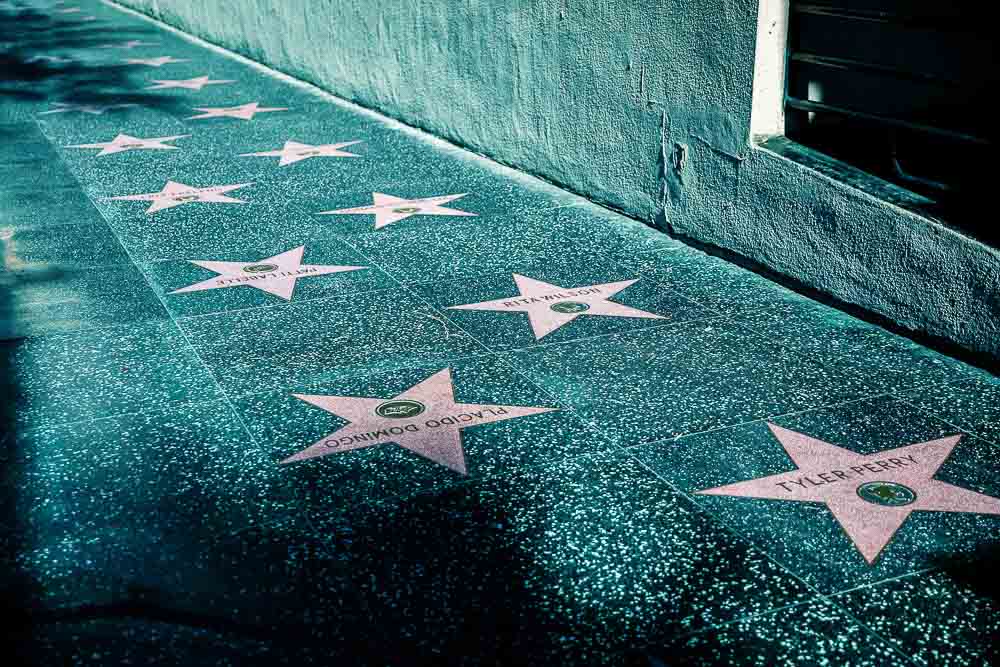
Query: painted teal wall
[641,105]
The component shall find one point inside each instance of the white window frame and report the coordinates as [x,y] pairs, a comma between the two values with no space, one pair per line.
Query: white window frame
[767,115]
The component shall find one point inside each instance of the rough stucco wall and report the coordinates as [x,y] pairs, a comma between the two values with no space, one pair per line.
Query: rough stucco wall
[574,91]
[844,242]
[643,106]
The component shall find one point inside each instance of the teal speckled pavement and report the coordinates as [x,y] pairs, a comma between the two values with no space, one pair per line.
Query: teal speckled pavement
[290,383]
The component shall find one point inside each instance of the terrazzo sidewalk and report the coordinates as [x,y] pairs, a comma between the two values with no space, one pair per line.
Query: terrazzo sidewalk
[288,383]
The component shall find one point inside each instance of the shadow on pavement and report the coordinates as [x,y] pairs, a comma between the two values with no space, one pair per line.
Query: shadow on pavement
[974,570]
[44,57]
[16,587]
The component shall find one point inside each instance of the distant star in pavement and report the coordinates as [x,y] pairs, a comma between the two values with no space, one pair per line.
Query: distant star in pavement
[196,83]
[275,275]
[129,45]
[154,62]
[550,306]
[293,152]
[175,194]
[125,142]
[55,60]
[244,111]
[388,209]
[93,109]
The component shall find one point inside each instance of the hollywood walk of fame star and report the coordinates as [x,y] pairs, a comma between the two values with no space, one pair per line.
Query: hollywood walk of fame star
[129,45]
[93,109]
[293,152]
[275,275]
[175,194]
[154,62]
[870,495]
[550,306]
[424,419]
[244,111]
[55,60]
[125,142]
[196,83]
[388,209]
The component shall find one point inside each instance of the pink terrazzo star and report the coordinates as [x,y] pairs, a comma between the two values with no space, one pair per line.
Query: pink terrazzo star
[125,142]
[388,209]
[550,306]
[129,45]
[294,151]
[869,495]
[175,194]
[92,109]
[243,111]
[424,419]
[275,275]
[196,83]
[154,62]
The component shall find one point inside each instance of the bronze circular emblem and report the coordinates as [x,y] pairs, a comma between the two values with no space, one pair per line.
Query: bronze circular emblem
[186,198]
[887,494]
[406,209]
[400,408]
[569,307]
[260,268]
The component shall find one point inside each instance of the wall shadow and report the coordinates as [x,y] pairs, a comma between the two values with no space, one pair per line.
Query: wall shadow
[43,57]
[440,583]
[973,570]
[439,579]
[17,588]
[46,57]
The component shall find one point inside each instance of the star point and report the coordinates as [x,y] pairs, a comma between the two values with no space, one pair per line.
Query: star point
[93,109]
[869,495]
[154,62]
[294,151]
[125,142]
[550,306]
[129,45]
[388,209]
[174,194]
[425,419]
[275,275]
[55,60]
[243,111]
[196,83]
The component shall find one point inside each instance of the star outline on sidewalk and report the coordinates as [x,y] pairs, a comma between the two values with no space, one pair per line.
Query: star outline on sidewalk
[196,83]
[92,109]
[894,484]
[129,45]
[424,419]
[389,209]
[550,307]
[276,275]
[159,61]
[175,193]
[241,111]
[125,142]
[294,151]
